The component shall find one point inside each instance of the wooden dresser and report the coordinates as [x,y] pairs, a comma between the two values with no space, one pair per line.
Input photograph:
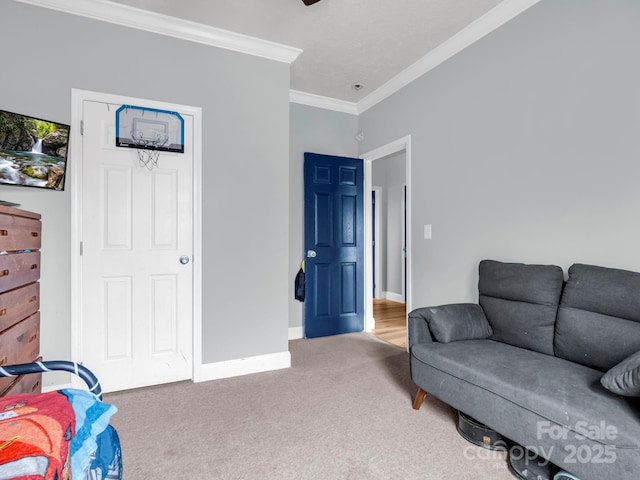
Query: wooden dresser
[20,240]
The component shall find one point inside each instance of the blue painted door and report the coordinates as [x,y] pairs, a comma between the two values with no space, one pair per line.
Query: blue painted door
[334,245]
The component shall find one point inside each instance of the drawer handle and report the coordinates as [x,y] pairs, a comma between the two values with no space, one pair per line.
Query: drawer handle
[33,299]
[35,386]
[3,360]
[4,273]
[34,234]
[3,312]
[33,337]
[4,233]
[34,266]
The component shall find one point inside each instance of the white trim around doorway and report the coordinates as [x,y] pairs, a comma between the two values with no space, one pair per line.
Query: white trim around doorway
[402,144]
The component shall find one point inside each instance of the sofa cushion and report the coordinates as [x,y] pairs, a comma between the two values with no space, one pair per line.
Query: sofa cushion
[624,378]
[564,393]
[521,302]
[462,321]
[596,300]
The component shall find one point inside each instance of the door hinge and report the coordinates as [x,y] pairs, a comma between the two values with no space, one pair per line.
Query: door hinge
[81,127]
[81,248]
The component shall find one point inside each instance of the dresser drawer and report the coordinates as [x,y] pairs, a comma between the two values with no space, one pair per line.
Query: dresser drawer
[17,269]
[18,304]
[31,383]
[19,233]
[20,344]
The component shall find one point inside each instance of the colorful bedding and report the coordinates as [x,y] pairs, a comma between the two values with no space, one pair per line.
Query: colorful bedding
[58,435]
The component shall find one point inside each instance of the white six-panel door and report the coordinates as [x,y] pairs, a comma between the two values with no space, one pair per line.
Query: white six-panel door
[136,224]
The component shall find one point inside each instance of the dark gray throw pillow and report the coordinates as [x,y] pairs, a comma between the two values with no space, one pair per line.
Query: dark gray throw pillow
[460,321]
[624,378]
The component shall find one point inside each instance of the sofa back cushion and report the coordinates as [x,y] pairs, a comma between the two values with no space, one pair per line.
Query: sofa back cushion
[599,316]
[521,302]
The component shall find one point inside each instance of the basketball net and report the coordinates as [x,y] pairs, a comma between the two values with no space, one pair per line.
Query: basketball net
[148,150]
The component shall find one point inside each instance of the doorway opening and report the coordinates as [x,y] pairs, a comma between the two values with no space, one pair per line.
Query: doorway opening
[388,233]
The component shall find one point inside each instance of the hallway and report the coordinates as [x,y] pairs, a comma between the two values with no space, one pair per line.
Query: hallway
[391,323]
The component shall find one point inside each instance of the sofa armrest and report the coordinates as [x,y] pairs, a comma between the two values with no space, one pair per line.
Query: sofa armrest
[450,323]
[418,328]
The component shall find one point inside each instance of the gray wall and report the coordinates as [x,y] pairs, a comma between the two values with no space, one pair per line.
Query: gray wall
[524,147]
[245,163]
[313,130]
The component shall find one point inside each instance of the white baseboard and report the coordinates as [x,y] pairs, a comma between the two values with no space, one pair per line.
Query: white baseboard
[394,297]
[369,323]
[295,333]
[244,366]
[215,371]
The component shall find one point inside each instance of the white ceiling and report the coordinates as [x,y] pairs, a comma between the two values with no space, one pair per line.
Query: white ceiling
[343,41]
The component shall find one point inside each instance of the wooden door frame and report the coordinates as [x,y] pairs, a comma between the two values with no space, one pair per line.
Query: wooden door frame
[78,97]
[402,144]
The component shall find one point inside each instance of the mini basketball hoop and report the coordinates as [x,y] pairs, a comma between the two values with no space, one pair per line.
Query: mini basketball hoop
[150,131]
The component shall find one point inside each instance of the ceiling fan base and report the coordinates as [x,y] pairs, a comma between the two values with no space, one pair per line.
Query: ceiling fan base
[309,2]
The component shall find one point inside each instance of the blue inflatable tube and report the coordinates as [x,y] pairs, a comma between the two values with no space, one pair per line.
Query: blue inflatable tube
[52,365]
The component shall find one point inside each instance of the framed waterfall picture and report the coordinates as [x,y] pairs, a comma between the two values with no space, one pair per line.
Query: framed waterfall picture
[33,151]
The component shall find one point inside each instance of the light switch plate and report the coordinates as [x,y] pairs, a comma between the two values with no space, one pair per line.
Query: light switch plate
[427,232]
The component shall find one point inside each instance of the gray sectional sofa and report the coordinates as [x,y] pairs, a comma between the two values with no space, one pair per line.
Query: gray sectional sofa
[553,366]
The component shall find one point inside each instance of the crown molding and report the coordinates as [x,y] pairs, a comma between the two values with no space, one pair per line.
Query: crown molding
[490,21]
[107,11]
[127,16]
[312,100]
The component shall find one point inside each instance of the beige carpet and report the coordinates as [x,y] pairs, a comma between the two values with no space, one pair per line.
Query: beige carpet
[342,411]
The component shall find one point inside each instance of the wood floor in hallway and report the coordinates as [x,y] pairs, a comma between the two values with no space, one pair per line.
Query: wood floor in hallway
[391,322]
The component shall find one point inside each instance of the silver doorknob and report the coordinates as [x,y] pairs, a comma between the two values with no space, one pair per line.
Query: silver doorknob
[184,259]
[311,253]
